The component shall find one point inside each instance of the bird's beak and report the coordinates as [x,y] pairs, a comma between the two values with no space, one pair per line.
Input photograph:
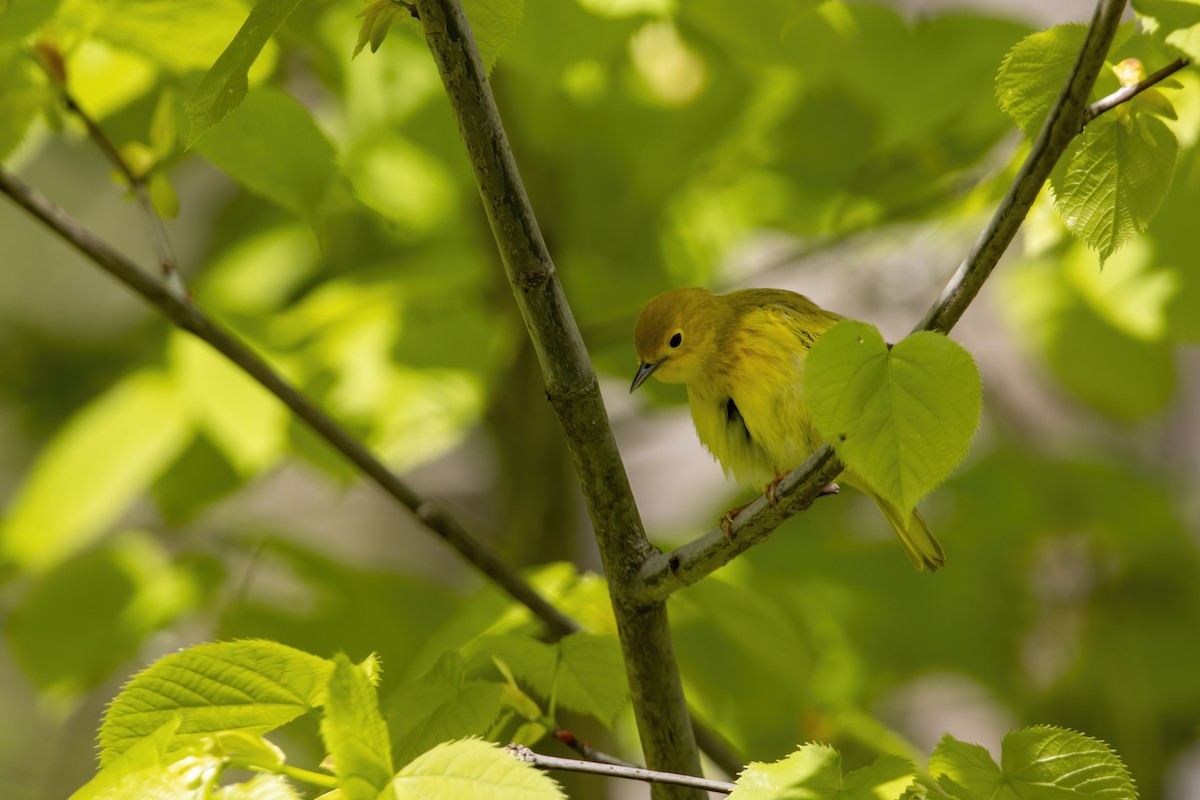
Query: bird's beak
[644,371]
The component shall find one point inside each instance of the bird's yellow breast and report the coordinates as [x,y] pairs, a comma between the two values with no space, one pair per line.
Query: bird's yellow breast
[748,408]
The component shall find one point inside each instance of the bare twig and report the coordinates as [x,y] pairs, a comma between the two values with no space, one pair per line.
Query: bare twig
[52,62]
[618,771]
[590,753]
[571,386]
[189,318]
[665,573]
[1127,93]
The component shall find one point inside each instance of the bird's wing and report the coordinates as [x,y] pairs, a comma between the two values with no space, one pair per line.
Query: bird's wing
[803,317]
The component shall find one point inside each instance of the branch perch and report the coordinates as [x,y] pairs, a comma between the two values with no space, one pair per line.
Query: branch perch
[186,316]
[571,386]
[665,573]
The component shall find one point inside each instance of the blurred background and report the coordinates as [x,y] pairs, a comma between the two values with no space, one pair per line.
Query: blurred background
[152,498]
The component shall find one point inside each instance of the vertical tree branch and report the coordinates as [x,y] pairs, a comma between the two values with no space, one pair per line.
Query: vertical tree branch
[572,389]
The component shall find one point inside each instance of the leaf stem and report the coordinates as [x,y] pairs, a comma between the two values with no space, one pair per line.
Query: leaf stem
[618,771]
[1127,93]
[322,779]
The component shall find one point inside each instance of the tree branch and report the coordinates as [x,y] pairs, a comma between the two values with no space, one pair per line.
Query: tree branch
[618,771]
[689,563]
[571,386]
[52,63]
[1127,93]
[185,315]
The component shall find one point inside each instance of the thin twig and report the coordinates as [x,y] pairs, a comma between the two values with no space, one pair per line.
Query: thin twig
[660,708]
[1127,93]
[618,771]
[137,183]
[188,317]
[687,564]
[590,753]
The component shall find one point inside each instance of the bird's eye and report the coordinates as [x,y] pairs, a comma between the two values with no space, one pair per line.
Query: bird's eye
[677,340]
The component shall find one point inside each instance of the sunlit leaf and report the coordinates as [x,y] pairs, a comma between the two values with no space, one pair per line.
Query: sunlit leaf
[1115,178]
[146,770]
[901,418]
[355,734]
[814,772]
[472,768]
[439,706]
[1039,763]
[250,685]
[224,86]
[273,147]
[102,460]
[583,671]
[1035,71]
[260,787]
[1177,22]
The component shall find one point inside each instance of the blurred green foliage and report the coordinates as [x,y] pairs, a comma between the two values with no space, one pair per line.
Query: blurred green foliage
[331,220]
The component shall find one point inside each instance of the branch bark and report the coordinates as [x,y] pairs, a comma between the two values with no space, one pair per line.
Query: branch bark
[668,572]
[188,317]
[571,387]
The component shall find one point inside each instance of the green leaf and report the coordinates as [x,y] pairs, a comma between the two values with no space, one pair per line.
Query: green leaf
[260,787]
[273,147]
[97,465]
[493,23]
[355,734]
[1038,763]
[902,419]
[246,421]
[815,771]
[1035,71]
[224,86]
[582,671]
[252,685]
[472,768]
[1176,22]
[1116,176]
[146,771]
[88,615]
[377,20]
[439,706]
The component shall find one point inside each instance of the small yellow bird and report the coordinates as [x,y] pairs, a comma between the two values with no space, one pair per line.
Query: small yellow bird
[741,356]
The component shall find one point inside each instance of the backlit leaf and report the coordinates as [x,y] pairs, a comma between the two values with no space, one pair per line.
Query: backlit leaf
[99,463]
[355,734]
[224,86]
[901,418]
[250,685]
[472,768]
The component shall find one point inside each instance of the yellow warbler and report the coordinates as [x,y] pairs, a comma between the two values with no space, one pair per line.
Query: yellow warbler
[741,356]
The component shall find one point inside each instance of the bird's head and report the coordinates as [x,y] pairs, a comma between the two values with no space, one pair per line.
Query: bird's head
[675,336]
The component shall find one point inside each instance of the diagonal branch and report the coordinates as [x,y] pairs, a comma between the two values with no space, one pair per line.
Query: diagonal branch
[571,387]
[185,315]
[665,573]
[52,62]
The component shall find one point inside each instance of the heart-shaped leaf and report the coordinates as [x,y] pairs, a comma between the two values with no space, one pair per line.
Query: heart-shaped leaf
[901,418]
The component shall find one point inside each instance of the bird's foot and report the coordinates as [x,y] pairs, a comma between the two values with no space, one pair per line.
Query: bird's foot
[773,488]
[727,520]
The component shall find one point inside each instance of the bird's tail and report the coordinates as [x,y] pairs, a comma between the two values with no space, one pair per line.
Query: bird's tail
[923,548]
